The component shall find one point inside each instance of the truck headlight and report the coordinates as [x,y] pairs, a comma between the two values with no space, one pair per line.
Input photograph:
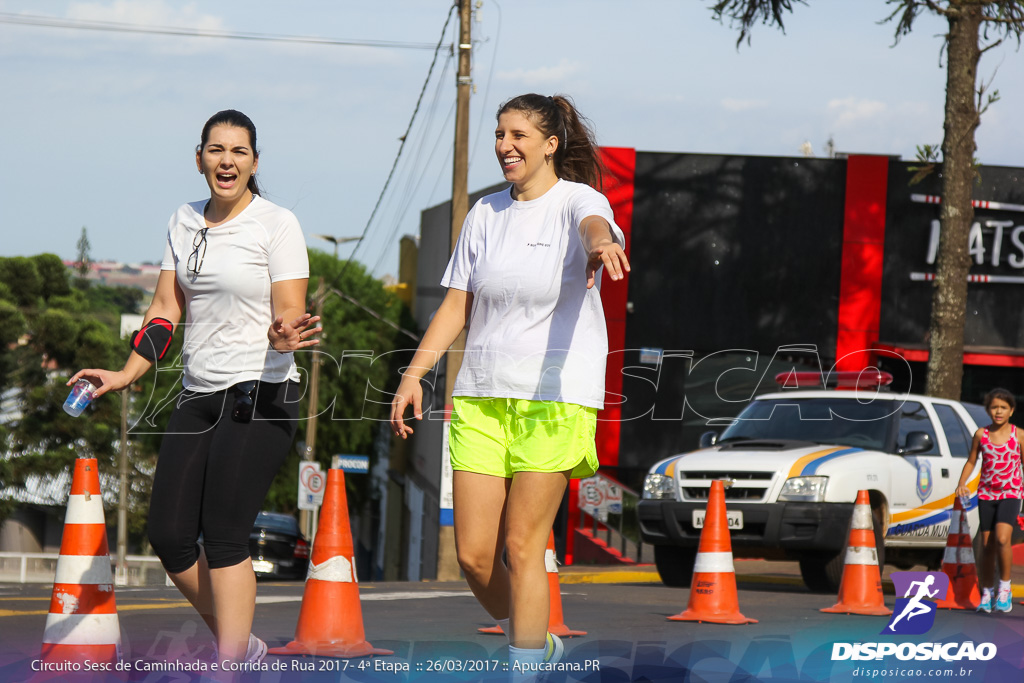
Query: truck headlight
[804,489]
[659,487]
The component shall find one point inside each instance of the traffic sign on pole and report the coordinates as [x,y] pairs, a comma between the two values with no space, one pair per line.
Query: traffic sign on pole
[311,485]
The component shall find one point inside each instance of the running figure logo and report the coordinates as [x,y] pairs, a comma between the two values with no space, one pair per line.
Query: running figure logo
[914,613]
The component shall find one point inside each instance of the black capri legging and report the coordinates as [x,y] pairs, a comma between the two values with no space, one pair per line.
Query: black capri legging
[213,473]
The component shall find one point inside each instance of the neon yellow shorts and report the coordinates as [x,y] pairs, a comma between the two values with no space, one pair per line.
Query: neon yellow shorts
[500,436]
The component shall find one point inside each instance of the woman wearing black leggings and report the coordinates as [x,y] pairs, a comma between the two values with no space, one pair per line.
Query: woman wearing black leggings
[236,266]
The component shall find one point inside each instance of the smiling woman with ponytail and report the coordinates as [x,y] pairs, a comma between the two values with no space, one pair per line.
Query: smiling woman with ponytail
[523,276]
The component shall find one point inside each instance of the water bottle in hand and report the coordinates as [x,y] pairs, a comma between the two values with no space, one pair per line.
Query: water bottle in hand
[80,397]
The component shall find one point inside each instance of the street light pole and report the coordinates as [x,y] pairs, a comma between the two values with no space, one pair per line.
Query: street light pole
[337,240]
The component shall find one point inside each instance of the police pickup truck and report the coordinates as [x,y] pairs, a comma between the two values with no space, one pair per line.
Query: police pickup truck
[793,462]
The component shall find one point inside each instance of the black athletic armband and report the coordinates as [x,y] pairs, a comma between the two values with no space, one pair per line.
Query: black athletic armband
[153,340]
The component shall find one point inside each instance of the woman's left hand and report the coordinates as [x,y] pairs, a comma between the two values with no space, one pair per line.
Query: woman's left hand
[285,337]
[612,257]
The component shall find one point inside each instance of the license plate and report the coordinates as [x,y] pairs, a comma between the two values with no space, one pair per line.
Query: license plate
[262,566]
[733,517]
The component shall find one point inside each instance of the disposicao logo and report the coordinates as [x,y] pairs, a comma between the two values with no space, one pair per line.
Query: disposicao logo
[914,613]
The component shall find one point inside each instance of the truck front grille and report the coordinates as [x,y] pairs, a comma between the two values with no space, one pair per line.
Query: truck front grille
[746,486]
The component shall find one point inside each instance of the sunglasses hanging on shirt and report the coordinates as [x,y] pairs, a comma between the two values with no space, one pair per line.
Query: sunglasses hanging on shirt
[195,259]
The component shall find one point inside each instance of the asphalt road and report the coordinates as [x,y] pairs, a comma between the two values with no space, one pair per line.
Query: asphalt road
[432,629]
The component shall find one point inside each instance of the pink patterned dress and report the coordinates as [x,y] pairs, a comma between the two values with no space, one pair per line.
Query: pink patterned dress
[1000,469]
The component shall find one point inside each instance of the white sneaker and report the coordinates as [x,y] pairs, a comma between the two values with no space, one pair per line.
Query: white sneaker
[553,648]
[256,651]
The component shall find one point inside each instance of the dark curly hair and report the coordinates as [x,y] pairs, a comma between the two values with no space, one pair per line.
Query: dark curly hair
[1003,395]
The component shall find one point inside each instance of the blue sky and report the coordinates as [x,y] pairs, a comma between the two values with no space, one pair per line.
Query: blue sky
[99,128]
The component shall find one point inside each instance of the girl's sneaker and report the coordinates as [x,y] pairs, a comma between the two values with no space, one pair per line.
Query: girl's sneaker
[1004,603]
[986,603]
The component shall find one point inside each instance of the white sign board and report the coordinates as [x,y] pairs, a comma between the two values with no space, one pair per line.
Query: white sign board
[447,499]
[312,482]
[599,497]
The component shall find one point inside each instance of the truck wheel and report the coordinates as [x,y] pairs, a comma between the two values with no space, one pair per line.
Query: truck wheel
[824,574]
[675,564]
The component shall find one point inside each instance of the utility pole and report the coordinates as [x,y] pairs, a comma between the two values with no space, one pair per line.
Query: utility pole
[447,562]
[121,574]
[307,522]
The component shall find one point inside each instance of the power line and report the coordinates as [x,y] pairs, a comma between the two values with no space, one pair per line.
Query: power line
[374,313]
[410,166]
[415,168]
[401,146]
[487,88]
[117,27]
[403,209]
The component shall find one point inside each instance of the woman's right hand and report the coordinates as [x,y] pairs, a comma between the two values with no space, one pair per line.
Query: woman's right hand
[409,393]
[962,491]
[103,380]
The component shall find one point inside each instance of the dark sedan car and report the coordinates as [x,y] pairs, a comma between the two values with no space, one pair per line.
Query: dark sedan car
[278,548]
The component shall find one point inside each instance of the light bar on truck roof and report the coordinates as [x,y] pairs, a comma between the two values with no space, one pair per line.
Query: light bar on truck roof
[868,378]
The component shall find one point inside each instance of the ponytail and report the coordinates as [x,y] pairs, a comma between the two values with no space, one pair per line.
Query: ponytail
[576,158]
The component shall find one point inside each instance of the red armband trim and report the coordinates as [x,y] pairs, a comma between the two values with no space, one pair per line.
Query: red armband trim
[153,340]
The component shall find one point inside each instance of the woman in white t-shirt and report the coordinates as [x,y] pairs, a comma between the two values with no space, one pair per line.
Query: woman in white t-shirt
[522,276]
[236,265]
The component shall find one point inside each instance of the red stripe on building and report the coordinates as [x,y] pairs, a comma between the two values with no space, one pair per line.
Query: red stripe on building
[985,358]
[618,187]
[620,164]
[860,283]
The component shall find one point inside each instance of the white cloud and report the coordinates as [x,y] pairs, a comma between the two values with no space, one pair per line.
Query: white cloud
[542,75]
[146,12]
[851,111]
[731,104]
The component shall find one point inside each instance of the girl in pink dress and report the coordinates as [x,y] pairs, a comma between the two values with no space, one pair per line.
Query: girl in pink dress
[1000,491]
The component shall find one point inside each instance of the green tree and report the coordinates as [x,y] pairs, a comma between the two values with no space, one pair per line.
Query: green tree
[53,275]
[12,327]
[360,351]
[20,276]
[83,262]
[64,334]
[970,23]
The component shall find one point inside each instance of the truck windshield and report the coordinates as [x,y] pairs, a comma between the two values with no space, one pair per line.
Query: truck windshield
[839,421]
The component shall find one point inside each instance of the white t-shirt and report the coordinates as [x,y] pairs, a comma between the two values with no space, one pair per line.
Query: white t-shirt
[536,331]
[228,303]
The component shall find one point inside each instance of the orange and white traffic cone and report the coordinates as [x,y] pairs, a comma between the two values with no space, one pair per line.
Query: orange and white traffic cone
[958,563]
[556,622]
[82,623]
[860,589]
[713,588]
[331,617]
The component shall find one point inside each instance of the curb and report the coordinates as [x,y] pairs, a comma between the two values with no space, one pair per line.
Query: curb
[571,575]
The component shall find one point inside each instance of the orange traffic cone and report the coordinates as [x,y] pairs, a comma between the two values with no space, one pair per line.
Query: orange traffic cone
[556,622]
[958,563]
[713,589]
[860,589]
[331,618]
[82,623]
